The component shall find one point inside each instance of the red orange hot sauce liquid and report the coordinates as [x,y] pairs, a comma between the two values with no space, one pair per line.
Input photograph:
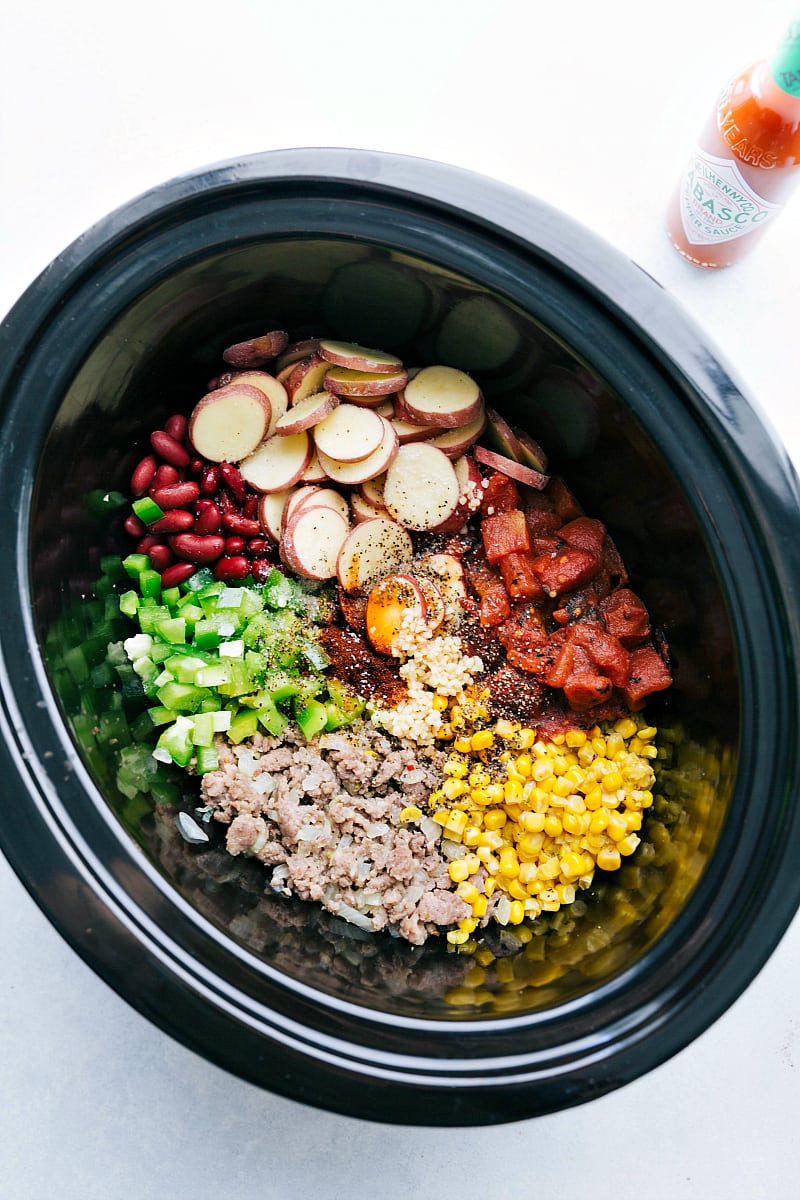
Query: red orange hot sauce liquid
[743,168]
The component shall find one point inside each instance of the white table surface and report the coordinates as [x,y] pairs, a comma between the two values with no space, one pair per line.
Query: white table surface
[592,108]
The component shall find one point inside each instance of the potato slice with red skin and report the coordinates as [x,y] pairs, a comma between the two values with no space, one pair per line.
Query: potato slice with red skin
[256,351]
[320,497]
[312,541]
[306,377]
[278,463]
[229,423]
[314,472]
[306,413]
[435,611]
[365,384]
[470,482]
[516,445]
[410,431]
[362,510]
[390,604]
[349,434]
[514,470]
[421,489]
[357,358]
[455,442]
[372,491]
[442,396]
[274,391]
[372,549]
[271,508]
[294,352]
[349,474]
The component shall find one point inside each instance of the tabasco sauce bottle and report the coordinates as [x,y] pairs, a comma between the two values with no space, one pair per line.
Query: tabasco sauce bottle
[745,163]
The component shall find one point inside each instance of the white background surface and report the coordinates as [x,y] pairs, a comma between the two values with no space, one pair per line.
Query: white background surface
[593,108]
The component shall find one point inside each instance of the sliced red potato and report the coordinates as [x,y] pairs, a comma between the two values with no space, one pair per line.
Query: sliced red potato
[278,463]
[410,431]
[385,408]
[320,497]
[362,510]
[392,604]
[302,493]
[372,491]
[455,442]
[435,611]
[514,470]
[256,351]
[349,434]
[283,375]
[306,377]
[357,358]
[312,541]
[274,391]
[314,472]
[470,484]
[364,384]
[229,423]
[448,574]
[294,352]
[514,444]
[271,507]
[306,412]
[421,489]
[442,396]
[349,474]
[370,550]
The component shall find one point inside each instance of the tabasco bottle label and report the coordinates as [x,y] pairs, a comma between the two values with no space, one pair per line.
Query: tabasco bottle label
[717,204]
[785,64]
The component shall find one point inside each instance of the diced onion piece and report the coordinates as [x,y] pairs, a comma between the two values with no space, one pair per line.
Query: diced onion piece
[229,423]
[421,489]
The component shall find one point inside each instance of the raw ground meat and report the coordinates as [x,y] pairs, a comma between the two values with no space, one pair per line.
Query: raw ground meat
[326,820]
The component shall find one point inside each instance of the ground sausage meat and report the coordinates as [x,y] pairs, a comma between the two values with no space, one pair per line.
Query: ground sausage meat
[328,822]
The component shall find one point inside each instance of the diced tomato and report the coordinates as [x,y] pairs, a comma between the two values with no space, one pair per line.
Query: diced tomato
[612,562]
[605,650]
[527,646]
[563,570]
[519,577]
[625,616]
[541,522]
[649,673]
[501,495]
[586,689]
[584,533]
[569,658]
[494,607]
[562,500]
[505,533]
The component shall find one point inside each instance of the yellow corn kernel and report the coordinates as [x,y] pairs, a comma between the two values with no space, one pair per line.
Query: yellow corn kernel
[479,905]
[617,827]
[647,733]
[439,702]
[473,863]
[633,821]
[456,767]
[594,798]
[565,892]
[467,891]
[457,937]
[599,745]
[598,822]
[549,869]
[482,740]
[562,787]
[479,795]
[608,858]
[532,822]
[526,738]
[524,765]
[494,819]
[509,863]
[612,781]
[495,792]
[552,825]
[470,835]
[410,813]
[628,844]
[528,872]
[517,915]
[488,859]
[456,822]
[571,865]
[575,737]
[489,886]
[516,890]
[650,752]
[505,729]
[512,791]
[441,816]
[453,788]
[529,845]
[541,769]
[625,727]
[574,822]
[458,870]
[462,744]
[468,924]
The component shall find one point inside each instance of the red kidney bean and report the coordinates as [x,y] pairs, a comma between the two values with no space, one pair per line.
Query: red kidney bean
[250,506]
[143,474]
[231,568]
[259,547]
[170,450]
[226,502]
[177,426]
[209,483]
[208,520]
[177,520]
[234,545]
[197,466]
[176,495]
[179,572]
[260,569]
[236,524]
[160,557]
[135,526]
[146,544]
[233,478]
[197,547]
[164,476]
